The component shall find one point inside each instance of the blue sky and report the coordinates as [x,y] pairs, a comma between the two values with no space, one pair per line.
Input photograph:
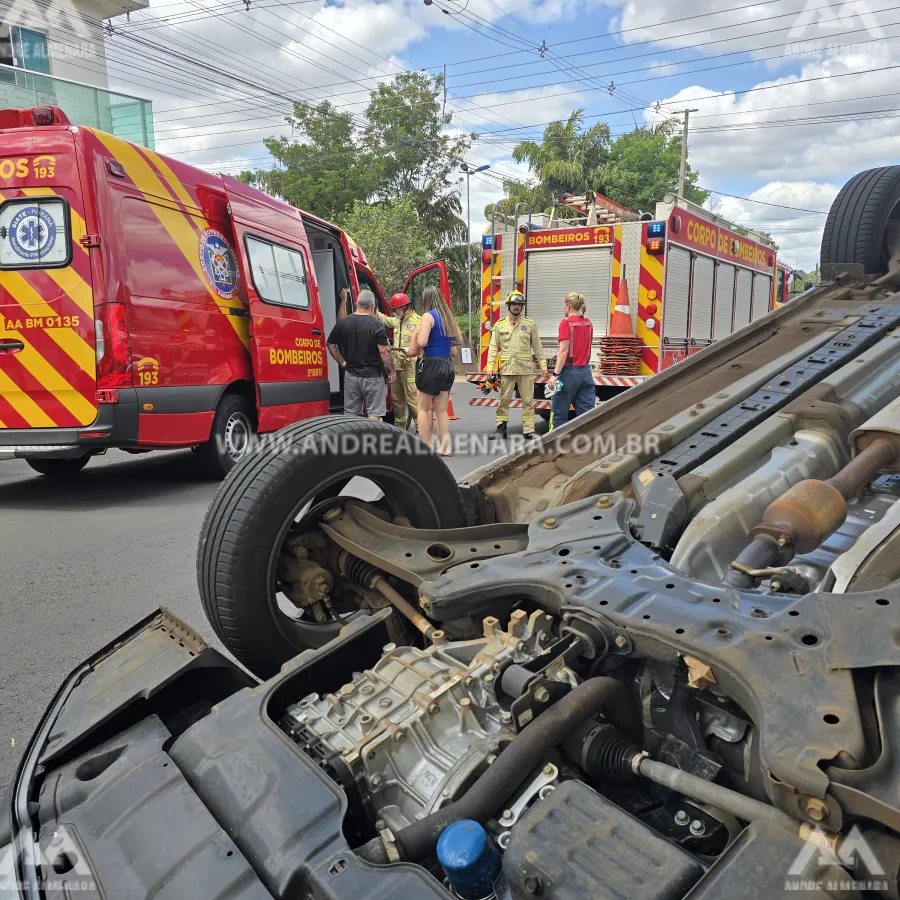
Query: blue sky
[793,96]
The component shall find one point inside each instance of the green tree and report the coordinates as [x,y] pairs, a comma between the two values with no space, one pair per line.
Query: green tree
[643,167]
[569,158]
[391,234]
[636,169]
[401,149]
[411,155]
[325,171]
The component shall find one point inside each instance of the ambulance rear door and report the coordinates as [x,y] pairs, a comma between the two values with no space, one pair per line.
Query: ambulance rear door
[48,365]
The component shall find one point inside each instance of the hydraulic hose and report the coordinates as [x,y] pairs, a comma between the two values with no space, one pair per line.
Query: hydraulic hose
[494,788]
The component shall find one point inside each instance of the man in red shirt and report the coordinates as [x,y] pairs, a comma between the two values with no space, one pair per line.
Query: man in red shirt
[572,383]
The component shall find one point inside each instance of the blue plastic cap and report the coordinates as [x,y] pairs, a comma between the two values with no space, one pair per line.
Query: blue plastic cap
[469,859]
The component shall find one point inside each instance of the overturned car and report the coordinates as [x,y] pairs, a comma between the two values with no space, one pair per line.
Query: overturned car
[653,656]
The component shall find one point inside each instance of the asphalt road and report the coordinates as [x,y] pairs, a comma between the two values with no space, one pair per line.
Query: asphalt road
[80,562]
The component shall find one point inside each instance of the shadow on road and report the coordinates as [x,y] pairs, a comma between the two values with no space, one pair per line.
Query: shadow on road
[155,479]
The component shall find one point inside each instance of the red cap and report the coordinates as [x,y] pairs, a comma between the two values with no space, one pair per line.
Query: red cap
[399,300]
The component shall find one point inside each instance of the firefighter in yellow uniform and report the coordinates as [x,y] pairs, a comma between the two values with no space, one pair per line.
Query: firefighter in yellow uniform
[515,340]
[403,391]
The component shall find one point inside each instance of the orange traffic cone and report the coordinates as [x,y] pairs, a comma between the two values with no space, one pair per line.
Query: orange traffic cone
[621,350]
[450,414]
[620,321]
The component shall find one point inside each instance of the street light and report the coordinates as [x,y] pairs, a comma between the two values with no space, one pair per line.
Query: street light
[468,171]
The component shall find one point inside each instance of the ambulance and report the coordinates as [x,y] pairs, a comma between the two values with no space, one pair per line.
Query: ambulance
[146,304]
[692,278]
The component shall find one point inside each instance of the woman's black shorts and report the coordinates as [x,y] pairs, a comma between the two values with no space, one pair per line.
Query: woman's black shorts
[434,374]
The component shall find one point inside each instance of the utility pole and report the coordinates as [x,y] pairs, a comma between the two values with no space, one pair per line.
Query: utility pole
[684,143]
[469,172]
[444,106]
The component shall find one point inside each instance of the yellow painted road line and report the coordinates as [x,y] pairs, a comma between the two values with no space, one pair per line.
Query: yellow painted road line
[23,404]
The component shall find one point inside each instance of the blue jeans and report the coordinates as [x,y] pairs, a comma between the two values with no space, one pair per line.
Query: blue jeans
[577,390]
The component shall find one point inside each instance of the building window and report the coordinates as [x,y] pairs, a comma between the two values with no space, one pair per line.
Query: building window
[23,48]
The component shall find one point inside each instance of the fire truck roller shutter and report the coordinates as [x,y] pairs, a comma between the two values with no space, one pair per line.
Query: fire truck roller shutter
[762,295]
[678,292]
[743,293]
[702,298]
[724,301]
[551,274]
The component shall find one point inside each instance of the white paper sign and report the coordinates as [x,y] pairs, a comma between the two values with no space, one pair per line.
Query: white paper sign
[467,356]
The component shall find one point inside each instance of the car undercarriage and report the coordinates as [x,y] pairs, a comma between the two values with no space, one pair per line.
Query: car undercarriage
[654,655]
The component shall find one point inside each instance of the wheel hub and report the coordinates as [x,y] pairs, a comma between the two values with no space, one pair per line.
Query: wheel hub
[238,433]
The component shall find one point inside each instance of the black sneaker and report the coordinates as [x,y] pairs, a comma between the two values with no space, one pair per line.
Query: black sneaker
[501,431]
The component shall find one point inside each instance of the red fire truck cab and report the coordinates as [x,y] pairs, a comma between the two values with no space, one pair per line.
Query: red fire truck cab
[146,304]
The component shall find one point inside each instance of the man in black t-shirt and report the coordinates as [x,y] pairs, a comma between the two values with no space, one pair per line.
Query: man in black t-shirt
[359,344]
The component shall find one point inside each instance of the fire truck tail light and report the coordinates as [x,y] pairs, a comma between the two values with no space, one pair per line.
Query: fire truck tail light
[656,229]
[655,246]
[652,295]
[113,351]
[676,224]
[651,309]
[42,115]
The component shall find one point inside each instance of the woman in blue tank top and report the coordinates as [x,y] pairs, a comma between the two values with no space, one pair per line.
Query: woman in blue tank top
[437,337]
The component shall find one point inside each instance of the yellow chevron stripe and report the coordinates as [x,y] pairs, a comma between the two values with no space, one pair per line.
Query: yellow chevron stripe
[33,304]
[74,285]
[23,404]
[2,424]
[79,229]
[171,178]
[176,222]
[77,404]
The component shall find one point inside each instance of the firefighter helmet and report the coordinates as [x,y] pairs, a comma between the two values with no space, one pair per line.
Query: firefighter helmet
[398,301]
[515,297]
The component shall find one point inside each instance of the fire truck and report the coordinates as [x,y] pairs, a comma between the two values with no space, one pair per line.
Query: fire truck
[692,278]
[146,304]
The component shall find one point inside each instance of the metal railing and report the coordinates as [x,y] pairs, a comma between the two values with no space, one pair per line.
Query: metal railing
[129,118]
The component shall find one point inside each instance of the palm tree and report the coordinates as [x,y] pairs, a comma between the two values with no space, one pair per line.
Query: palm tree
[569,158]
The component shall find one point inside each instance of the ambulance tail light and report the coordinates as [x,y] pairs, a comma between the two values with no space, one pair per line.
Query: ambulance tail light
[113,350]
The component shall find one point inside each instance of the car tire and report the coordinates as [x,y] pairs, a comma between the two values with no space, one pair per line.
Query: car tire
[248,520]
[859,217]
[59,468]
[232,437]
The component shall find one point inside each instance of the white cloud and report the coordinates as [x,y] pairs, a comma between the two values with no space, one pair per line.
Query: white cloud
[784,128]
[779,210]
[528,106]
[766,28]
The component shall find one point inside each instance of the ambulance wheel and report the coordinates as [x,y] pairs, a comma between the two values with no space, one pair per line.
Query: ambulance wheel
[266,501]
[232,437]
[59,468]
[863,224]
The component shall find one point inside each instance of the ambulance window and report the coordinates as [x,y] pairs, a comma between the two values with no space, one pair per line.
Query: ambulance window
[279,273]
[34,234]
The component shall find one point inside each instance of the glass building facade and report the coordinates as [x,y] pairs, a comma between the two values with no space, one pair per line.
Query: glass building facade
[129,118]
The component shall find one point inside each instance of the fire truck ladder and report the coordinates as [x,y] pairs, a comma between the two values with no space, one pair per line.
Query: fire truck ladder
[596,209]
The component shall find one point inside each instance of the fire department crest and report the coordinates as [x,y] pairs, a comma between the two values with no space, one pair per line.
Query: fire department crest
[219,263]
[32,233]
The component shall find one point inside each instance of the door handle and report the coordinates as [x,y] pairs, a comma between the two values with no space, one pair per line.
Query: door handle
[317,332]
[11,346]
